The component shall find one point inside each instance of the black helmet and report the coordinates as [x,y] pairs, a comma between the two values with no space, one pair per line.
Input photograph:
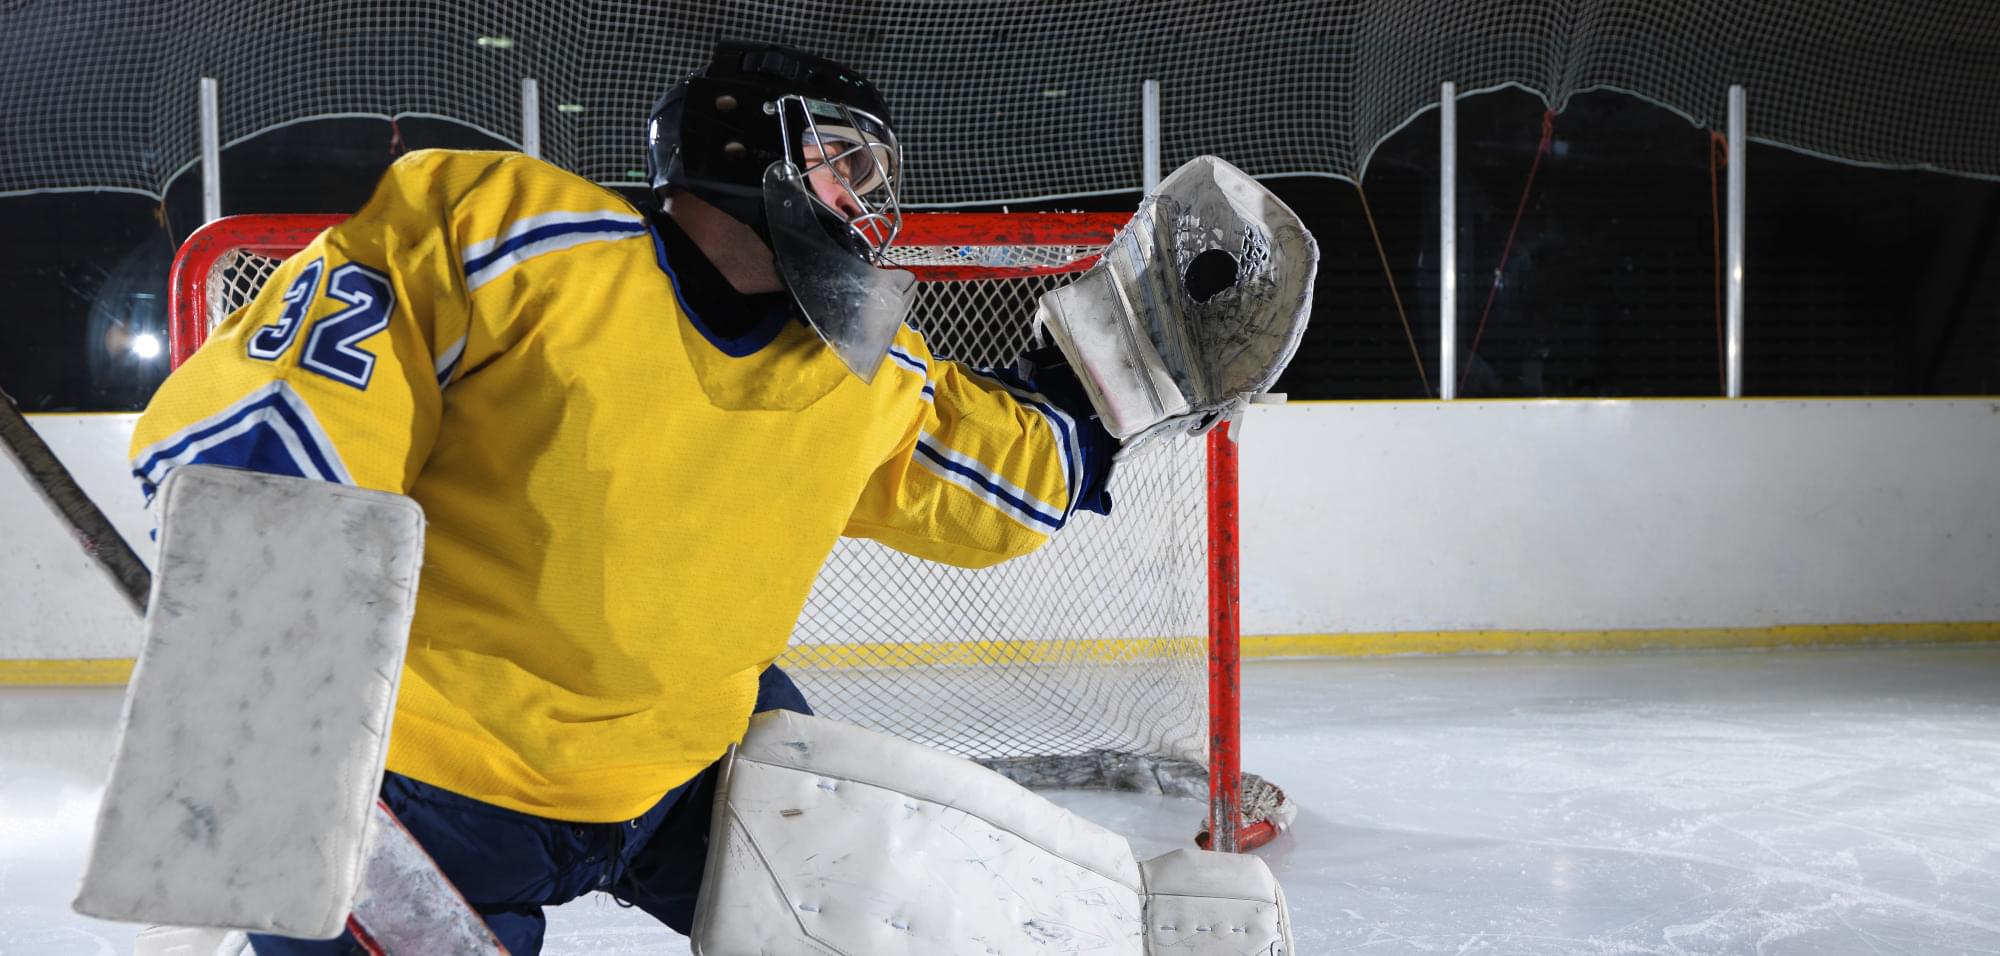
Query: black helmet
[798,148]
[716,133]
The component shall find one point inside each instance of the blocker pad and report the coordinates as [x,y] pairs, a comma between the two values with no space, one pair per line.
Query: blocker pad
[828,838]
[189,941]
[257,719]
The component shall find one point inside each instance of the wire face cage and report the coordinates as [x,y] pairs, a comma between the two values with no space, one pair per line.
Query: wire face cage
[1085,664]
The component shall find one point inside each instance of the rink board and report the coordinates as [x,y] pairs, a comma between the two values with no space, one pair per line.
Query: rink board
[1422,527]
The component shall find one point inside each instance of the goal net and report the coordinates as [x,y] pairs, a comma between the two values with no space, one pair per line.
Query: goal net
[1084,664]
[996,102]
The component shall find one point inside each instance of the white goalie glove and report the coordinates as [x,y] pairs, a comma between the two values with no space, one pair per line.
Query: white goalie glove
[1196,307]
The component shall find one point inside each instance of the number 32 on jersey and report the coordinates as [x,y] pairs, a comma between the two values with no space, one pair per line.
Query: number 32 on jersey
[332,347]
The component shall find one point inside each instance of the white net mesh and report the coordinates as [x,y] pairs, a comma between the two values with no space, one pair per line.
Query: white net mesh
[1084,663]
[999,101]
[990,257]
[1094,643]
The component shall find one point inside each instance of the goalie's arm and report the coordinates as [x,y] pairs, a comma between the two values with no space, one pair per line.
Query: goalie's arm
[993,463]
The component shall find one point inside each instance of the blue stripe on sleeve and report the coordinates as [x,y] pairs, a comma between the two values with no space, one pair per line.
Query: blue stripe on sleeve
[614,226]
[270,431]
[982,483]
[1059,423]
[911,361]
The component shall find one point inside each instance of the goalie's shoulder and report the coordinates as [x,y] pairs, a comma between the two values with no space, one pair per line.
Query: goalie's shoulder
[503,181]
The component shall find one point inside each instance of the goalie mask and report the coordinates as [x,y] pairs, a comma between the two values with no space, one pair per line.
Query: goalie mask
[800,149]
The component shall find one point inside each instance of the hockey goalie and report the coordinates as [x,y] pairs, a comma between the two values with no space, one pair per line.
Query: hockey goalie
[483,524]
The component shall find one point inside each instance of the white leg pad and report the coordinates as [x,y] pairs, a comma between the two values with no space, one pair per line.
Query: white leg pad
[1214,904]
[257,721]
[831,839]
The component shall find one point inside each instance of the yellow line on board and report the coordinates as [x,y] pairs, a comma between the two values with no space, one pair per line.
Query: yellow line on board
[1544,642]
[52,673]
[1640,400]
[847,656]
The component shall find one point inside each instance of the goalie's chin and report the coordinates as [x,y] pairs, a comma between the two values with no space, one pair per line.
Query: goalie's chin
[854,306]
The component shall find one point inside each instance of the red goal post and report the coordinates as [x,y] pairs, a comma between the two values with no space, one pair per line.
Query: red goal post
[1021,667]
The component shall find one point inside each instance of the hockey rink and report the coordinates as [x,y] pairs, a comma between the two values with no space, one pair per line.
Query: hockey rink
[1793,802]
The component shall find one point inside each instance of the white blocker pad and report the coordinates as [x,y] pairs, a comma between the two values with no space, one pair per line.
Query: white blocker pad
[257,720]
[405,907]
[189,941]
[831,839]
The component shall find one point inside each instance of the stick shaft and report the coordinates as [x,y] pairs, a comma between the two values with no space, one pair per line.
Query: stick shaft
[46,474]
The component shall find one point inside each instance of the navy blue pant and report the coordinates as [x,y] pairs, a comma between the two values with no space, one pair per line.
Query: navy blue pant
[510,864]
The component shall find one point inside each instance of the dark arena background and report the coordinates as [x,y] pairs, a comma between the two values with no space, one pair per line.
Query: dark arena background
[1589,162]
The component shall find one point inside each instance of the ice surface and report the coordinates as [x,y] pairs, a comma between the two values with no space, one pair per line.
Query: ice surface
[1799,802]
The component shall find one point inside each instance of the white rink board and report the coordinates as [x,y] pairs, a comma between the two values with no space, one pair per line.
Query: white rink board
[1583,515]
[1429,516]
[54,601]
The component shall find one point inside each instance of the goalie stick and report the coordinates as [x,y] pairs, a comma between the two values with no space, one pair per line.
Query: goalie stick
[52,481]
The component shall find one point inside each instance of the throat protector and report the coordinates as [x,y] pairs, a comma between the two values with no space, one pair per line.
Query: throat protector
[853,305]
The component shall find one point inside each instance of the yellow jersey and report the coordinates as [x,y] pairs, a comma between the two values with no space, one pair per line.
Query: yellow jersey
[626,509]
